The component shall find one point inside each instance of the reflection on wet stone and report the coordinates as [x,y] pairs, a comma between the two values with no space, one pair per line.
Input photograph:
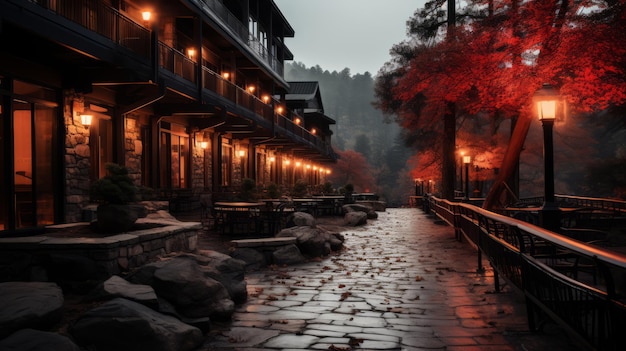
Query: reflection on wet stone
[401,283]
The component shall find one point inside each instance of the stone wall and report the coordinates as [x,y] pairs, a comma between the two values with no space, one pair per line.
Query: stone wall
[45,257]
[77,158]
[133,147]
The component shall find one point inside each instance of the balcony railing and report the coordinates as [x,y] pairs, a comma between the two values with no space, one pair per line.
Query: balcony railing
[241,31]
[578,285]
[104,20]
[176,62]
[100,18]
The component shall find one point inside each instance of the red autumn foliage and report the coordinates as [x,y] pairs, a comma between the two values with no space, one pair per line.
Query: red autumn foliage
[352,168]
[493,63]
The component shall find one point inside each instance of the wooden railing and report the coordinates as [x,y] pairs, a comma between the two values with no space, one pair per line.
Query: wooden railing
[579,286]
[101,18]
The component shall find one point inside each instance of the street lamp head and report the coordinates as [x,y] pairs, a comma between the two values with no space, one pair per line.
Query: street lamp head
[547,101]
[467,159]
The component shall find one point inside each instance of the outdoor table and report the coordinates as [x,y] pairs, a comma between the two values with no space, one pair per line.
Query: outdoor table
[531,214]
[237,214]
[308,205]
[330,204]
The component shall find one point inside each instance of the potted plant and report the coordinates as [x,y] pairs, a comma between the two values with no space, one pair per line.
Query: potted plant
[273,192]
[300,188]
[248,190]
[115,193]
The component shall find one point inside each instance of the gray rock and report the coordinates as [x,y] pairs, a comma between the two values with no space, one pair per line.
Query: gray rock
[122,324]
[253,259]
[181,281]
[29,305]
[288,254]
[361,207]
[355,218]
[119,287]
[312,242]
[336,241]
[37,340]
[301,219]
[225,269]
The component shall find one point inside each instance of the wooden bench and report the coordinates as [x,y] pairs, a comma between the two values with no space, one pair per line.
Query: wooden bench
[264,243]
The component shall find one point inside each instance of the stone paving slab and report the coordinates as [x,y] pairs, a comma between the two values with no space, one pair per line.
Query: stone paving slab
[401,283]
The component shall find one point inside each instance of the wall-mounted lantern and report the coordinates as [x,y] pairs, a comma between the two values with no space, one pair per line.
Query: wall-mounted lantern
[146,16]
[86,119]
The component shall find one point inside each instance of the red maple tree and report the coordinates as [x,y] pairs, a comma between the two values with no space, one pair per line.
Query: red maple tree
[352,168]
[499,54]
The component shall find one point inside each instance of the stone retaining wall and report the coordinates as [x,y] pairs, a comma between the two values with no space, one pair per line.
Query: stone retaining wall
[35,257]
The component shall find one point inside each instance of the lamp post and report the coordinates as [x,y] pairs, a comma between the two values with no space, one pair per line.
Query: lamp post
[466,161]
[546,101]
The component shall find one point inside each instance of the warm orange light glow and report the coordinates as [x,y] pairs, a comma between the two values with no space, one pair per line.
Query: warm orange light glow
[313,131]
[308,166]
[86,119]
[549,103]
[296,121]
[328,171]
[225,75]
[242,153]
[266,98]
[272,159]
[298,164]
[204,144]
[191,52]
[315,168]
[546,110]
[279,109]
[467,159]
[287,162]
[251,89]
[146,15]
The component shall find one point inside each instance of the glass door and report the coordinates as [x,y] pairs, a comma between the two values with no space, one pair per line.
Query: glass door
[27,148]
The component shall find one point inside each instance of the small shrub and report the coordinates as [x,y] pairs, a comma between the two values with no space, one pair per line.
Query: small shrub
[273,191]
[248,190]
[299,188]
[114,188]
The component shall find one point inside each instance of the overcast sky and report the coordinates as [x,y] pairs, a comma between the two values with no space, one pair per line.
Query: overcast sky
[336,34]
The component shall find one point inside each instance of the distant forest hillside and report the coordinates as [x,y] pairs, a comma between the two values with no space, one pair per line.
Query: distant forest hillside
[360,127]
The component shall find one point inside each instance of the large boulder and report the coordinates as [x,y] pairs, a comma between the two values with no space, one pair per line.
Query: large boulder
[37,340]
[287,255]
[355,218]
[181,281]
[301,219]
[253,259]
[225,269]
[371,213]
[122,324]
[117,286]
[312,242]
[34,305]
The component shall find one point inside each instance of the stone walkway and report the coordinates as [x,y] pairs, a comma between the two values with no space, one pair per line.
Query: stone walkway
[402,283]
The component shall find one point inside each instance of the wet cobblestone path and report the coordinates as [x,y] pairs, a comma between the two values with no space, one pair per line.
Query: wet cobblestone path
[401,283]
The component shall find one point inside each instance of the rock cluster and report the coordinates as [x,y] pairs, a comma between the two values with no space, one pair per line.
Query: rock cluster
[167,304]
[311,241]
[164,305]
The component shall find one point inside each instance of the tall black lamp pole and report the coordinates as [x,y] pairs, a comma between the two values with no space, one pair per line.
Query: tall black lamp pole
[466,161]
[546,100]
